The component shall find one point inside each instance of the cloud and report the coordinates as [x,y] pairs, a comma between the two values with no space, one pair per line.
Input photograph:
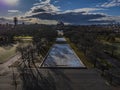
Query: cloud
[46,7]
[2,19]
[45,1]
[108,19]
[47,11]
[69,17]
[43,7]
[78,17]
[13,11]
[44,12]
[87,10]
[56,1]
[5,20]
[111,3]
[39,21]
[42,2]
[10,2]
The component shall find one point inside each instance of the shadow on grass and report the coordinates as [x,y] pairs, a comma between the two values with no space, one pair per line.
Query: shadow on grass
[43,79]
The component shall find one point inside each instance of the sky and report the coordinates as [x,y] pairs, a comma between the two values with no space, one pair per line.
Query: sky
[68,11]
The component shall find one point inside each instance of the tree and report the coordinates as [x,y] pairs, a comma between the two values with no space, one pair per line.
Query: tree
[113,48]
[15,21]
[110,48]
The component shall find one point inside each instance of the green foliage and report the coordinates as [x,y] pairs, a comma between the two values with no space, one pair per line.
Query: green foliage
[94,42]
[50,35]
[80,54]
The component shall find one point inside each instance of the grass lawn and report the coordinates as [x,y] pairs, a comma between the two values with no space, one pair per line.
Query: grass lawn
[80,54]
[117,40]
[116,44]
[117,52]
[23,38]
[7,52]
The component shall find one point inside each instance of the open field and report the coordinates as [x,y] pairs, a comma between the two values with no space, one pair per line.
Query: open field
[117,52]
[7,52]
[117,40]
[23,38]
[116,45]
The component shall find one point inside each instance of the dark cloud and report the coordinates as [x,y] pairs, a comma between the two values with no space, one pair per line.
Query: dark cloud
[47,11]
[2,19]
[73,18]
[38,10]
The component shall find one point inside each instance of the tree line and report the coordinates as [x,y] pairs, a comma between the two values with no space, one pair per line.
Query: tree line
[88,39]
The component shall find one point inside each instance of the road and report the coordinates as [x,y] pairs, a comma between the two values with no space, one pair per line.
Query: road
[5,66]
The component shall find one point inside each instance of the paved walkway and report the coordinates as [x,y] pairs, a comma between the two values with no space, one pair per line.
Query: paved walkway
[79,79]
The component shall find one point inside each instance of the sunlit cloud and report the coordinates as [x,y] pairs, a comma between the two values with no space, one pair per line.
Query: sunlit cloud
[13,11]
[110,3]
[42,7]
[86,10]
